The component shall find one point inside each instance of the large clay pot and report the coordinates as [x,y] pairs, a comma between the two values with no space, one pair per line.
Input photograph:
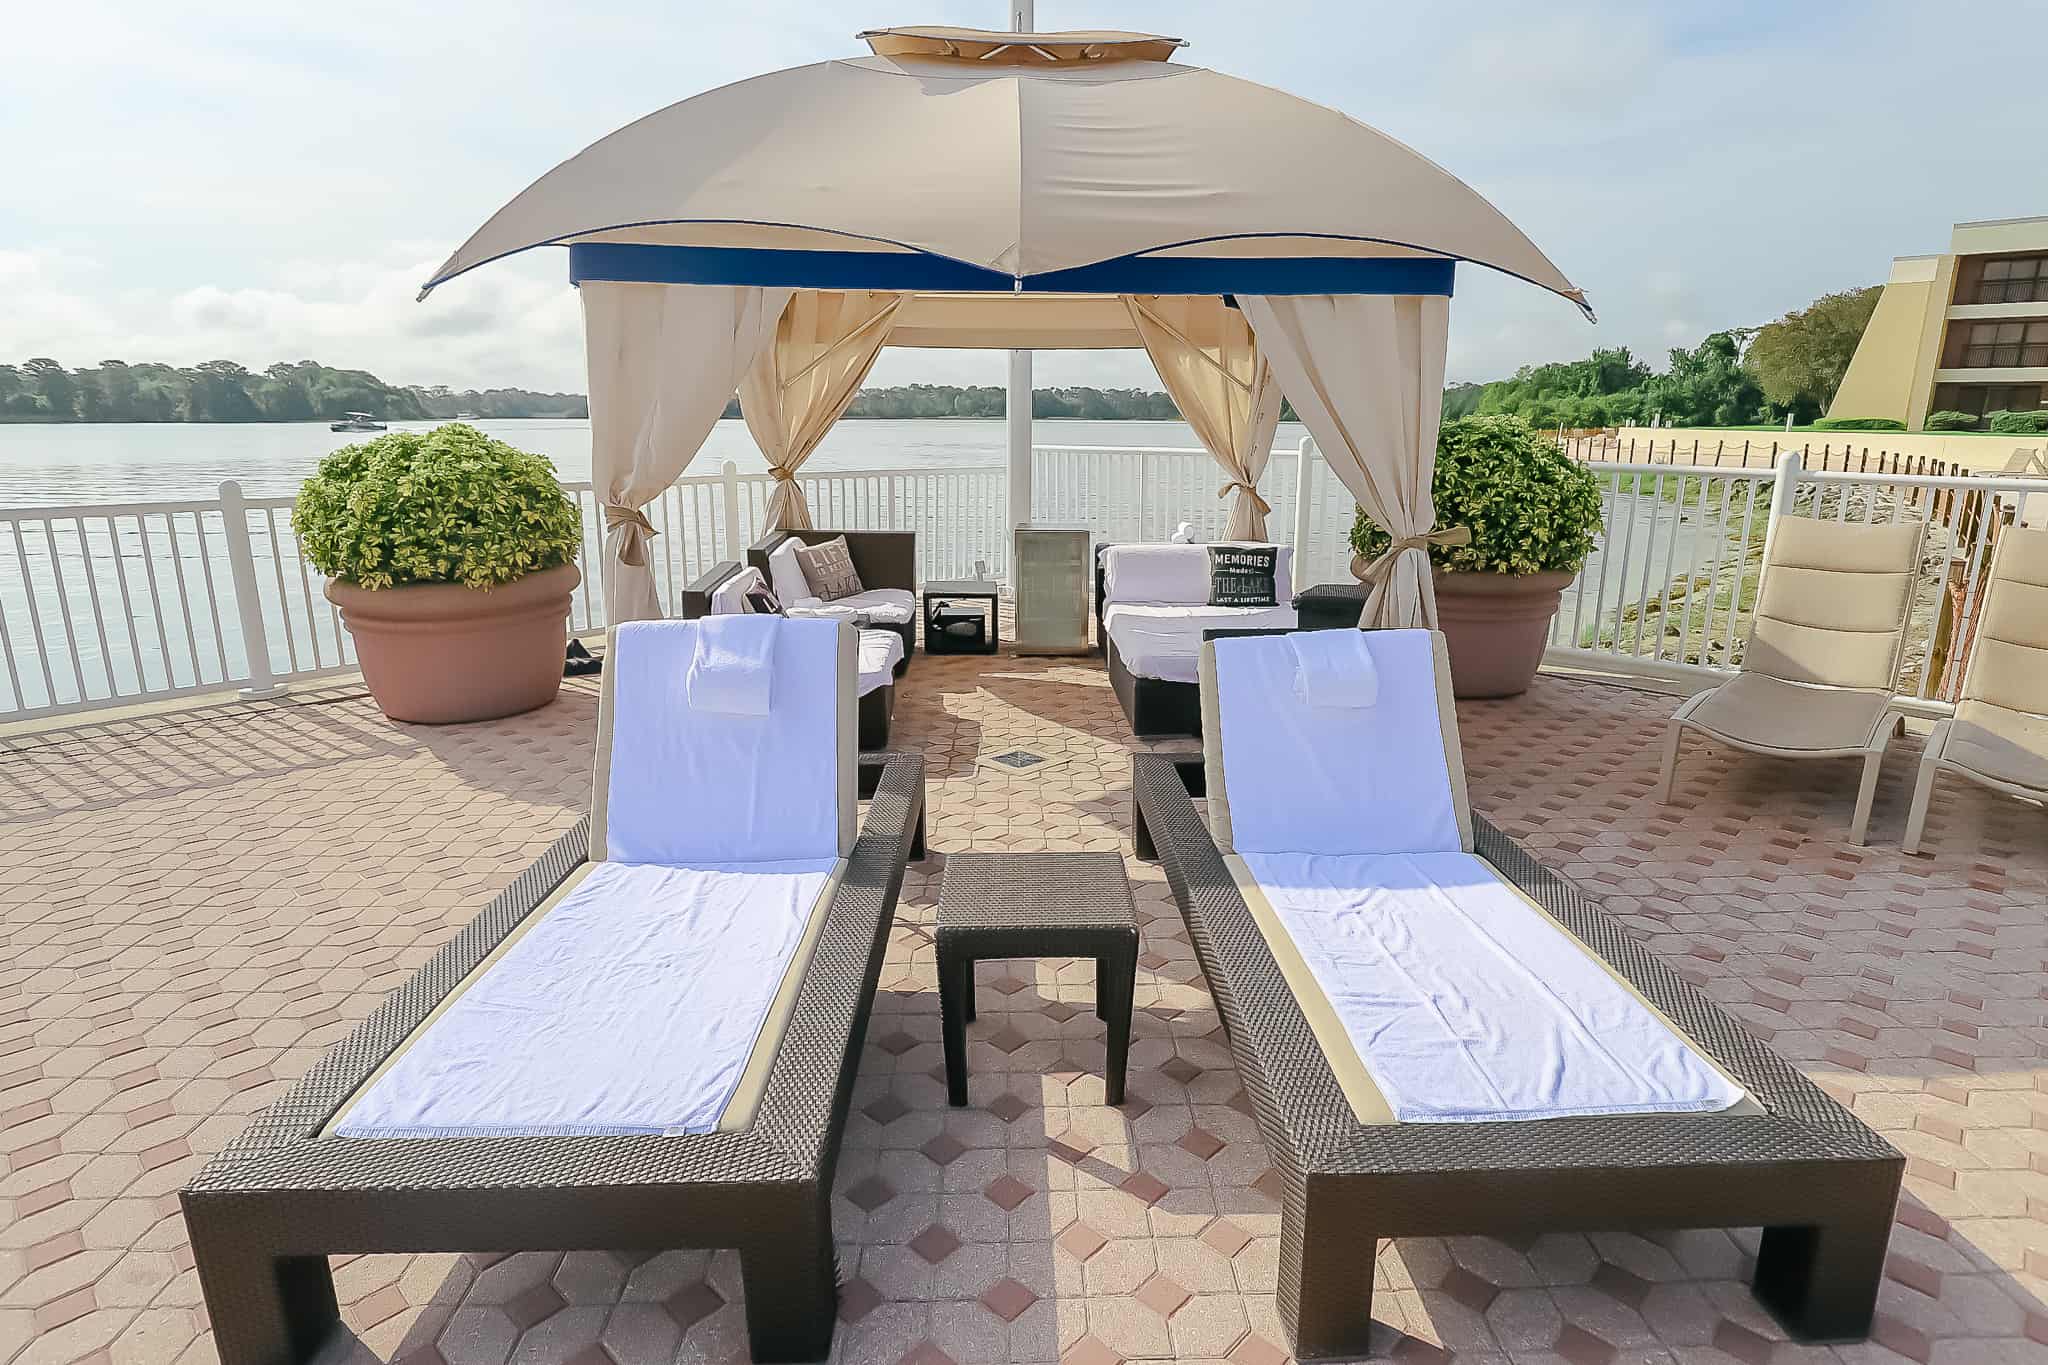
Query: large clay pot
[1495,626]
[439,653]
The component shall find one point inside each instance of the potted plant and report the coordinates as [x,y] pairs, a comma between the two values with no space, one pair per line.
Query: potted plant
[451,557]
[1533,512]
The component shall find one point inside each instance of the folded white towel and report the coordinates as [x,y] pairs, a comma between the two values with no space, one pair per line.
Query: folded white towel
[733,664]
[1333,668]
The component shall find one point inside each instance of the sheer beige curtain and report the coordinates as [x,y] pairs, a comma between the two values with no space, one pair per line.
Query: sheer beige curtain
[1212,368]
[825,344]
[663,359]
[1366,374]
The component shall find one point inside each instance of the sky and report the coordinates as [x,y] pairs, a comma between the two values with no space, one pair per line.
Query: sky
[202,179]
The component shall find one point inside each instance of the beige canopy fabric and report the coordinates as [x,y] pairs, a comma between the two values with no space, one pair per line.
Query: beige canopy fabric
[1212,368]
[1366,374]
[663,359]
[1010,164]
[825,343]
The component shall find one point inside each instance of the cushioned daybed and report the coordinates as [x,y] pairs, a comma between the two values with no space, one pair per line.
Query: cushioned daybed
[886,562]
[647,1042]
[1152,605]
[1438,1037]
[722,591]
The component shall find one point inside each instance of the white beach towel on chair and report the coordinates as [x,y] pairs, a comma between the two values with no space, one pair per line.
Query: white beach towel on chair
[1333,668]
[732,666]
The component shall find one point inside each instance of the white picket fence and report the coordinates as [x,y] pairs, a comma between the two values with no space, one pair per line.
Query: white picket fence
[115,603]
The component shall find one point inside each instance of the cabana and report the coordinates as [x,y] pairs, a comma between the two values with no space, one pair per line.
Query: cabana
[960,188]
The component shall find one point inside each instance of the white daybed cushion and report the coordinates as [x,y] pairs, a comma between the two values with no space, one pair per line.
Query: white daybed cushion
[1164,641]
[880,652]
[1466,1004]
[881,606]
[632,1006]
[693,789]
[786,572]
[1304,779]
[1179,574]
[730,597]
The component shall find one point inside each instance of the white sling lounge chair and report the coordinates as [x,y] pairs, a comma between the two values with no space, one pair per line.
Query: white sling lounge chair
[1998,736]
[1818,675]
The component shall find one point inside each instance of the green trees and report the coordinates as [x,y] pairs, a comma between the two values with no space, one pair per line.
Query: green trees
[1800,359]
[224,391]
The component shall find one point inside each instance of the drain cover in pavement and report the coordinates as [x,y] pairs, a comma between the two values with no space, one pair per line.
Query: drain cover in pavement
[1019,759]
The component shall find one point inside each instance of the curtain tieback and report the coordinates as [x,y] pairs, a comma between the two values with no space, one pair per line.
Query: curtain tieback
[1378,569]
[1250,491]
[633,545]
[781,475]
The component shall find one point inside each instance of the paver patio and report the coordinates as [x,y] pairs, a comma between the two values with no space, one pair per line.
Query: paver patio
[196,904]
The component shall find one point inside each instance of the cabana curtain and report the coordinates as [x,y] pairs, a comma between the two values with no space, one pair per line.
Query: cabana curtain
[1212,368]
[663,361]
[1366,374]
[825,343]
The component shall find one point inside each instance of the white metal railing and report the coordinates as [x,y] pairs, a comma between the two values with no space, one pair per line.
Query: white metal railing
[1671,589]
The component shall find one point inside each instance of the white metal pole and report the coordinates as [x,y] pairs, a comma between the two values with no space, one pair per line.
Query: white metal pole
[1017,395]
[234,523]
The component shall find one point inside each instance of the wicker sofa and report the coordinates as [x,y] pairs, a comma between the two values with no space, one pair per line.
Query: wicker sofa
[1151,635]
[887,564]
[265,1214]
[879,668]
[1788,1159]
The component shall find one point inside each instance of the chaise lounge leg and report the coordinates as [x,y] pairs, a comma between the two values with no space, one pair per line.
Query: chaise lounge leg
[917,839]
[265,1310]
[788,1275]
[1923,791]
[1141,835]
[1326,1275]
[1673,732]
[1821,1283]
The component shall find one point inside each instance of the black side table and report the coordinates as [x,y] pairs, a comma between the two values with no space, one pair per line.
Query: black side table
[1008,905]
[1330,606]
[938,640]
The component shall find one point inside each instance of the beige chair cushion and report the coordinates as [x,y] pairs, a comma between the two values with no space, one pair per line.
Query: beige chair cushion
[2009,658]
[1834,603]
[1759,712]
[2006,746]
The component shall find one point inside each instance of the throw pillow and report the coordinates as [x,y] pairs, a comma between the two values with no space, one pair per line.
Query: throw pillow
[828,568]
[1241,576]
[763,602]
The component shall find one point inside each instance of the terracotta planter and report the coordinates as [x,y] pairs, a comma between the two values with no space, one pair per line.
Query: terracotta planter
[438,654]
[1495,626]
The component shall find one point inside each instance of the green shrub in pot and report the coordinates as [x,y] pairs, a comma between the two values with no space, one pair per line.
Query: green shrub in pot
[450,505]
[1531,508]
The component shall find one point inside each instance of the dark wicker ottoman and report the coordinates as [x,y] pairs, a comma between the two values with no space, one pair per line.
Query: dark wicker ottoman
[995,905]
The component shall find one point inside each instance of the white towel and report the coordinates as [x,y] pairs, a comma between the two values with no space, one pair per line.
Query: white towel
[732,666]
[1333,668]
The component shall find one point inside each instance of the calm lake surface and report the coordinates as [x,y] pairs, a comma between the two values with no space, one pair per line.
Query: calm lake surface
[45,465]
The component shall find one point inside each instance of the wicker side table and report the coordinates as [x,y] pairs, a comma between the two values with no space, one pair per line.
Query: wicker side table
[1008,905]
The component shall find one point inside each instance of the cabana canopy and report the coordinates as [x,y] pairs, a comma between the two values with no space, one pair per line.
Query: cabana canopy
[962,188]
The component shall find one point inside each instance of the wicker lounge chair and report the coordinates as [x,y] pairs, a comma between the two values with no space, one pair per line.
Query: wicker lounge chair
[1782,1156]
[887,564]
[266,1213]
[1818,675]
[722,589]
[1998,736]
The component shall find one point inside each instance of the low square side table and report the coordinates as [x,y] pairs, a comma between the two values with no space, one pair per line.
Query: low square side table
[1020,905]
[937,641]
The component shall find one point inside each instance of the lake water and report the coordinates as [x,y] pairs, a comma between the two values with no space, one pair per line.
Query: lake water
[42,465]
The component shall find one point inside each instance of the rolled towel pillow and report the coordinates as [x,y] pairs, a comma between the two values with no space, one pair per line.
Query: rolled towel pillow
[1333,668]
[732,666]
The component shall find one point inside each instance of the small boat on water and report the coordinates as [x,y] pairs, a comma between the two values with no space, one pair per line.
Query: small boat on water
[357,421]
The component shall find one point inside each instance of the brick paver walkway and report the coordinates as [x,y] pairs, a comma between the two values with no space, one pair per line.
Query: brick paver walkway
[195,905]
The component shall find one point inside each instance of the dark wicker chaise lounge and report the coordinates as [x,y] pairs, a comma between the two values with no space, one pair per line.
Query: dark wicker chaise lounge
[1787,1158]
[264,1215]
[887,564]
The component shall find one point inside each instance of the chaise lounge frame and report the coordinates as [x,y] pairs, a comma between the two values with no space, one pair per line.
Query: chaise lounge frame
[266,1213]
[1820,1184]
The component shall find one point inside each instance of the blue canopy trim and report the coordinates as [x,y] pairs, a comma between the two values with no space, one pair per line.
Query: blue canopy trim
[642,263]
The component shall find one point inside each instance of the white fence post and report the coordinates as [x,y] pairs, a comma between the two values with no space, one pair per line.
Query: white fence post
[234,520]
[735,540]
[1783,488]
[1304,510]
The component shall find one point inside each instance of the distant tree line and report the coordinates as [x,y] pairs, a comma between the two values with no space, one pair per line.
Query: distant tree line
[42,390]
[1790,367]
[986,400]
